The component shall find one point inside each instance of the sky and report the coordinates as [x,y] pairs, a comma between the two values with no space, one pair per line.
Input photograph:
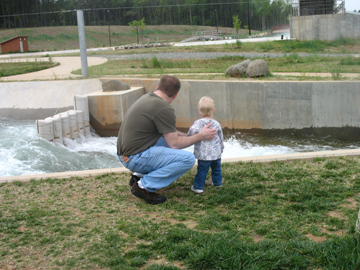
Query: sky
[350,5]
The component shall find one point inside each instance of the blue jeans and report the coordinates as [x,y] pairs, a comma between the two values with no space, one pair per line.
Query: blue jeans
[160,165]
[202,171]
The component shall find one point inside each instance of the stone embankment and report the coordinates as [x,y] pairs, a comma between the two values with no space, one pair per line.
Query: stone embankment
[143,46]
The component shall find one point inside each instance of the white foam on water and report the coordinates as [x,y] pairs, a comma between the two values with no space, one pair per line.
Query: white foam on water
[23,152]
[239,148]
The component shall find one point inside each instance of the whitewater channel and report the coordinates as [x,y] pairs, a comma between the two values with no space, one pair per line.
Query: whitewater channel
[23,152]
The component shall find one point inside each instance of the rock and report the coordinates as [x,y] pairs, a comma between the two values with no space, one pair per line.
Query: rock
[257,68]
[114,85]
[238,70]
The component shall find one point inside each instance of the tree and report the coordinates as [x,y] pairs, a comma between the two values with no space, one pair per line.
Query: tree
[142,28]
[236,23]
[138,27]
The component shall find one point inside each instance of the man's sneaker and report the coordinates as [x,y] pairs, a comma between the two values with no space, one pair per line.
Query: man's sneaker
[149,197]
[197,190]
[133,179]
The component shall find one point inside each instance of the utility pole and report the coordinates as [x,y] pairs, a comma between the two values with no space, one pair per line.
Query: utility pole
[217,20]
[249,18]
[108,12]
[82,43]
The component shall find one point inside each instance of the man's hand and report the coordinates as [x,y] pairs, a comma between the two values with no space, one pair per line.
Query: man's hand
[175,141]
[208,133]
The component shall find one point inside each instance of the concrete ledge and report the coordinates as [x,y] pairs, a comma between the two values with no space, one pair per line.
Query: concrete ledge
[62,175]
[296,156]
[261,159]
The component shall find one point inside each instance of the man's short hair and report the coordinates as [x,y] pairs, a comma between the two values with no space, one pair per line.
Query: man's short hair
[206,107]
[170,85]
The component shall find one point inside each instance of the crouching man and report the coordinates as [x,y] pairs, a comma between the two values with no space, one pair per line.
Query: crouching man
[149,145]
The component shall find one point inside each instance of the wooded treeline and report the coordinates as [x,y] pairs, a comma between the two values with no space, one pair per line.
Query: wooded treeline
[261,14]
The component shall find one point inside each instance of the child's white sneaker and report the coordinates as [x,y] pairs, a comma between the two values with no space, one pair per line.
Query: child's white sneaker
[196,190]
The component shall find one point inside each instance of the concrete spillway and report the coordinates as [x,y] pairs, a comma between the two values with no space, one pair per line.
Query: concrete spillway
[330,108]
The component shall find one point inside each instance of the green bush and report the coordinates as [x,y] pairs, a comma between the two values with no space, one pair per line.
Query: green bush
[155,63]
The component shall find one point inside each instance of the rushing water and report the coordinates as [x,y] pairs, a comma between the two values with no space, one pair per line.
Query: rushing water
[23,152]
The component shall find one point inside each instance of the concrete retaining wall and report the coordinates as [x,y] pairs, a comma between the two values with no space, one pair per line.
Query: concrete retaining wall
[107,109]
[323,108]
[326,108]
[41,99]
[325,27]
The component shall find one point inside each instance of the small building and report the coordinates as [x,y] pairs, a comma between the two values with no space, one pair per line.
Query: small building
[15,44]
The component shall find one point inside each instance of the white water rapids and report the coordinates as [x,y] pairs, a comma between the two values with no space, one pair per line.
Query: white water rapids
[23,152]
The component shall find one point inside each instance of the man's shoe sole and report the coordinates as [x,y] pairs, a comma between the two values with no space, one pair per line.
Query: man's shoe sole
[142,196]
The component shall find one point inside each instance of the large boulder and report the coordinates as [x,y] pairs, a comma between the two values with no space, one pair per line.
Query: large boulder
[257,68]
[114,85]
[238,70]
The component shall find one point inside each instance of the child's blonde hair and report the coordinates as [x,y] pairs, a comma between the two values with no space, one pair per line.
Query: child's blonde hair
[206,106]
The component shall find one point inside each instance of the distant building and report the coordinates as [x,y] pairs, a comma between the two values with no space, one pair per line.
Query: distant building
[322,20]
[317,7]
[15,44]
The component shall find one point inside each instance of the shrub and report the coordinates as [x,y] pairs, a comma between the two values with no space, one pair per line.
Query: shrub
[155,63]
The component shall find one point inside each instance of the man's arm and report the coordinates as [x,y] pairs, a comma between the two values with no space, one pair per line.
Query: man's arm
[179,133]
[175,141]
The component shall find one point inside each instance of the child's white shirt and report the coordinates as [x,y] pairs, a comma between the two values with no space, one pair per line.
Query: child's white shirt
[207,150]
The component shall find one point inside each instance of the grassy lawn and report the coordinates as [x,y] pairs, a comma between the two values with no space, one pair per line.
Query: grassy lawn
[283,215]
[16,68]
[204,68]
[215,68]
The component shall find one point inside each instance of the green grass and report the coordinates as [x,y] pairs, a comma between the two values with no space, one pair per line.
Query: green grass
[205,68]
[61,37]
[66,38]
[313,46]
[215,68]
[283,215]
[15,68]
[351,61]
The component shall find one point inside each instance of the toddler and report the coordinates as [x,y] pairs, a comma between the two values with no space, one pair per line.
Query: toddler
[208,153]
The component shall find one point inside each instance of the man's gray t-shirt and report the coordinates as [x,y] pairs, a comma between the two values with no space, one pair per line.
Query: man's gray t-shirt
[144,123]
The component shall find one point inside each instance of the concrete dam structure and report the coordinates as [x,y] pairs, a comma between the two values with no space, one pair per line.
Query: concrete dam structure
[323,108]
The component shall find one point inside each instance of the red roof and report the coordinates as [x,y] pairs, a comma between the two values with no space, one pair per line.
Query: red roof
[13,39]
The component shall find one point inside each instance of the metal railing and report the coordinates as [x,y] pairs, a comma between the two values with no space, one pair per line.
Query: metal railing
[340,8]
[321,7]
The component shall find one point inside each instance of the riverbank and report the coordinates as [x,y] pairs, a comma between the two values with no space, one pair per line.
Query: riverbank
[298,214]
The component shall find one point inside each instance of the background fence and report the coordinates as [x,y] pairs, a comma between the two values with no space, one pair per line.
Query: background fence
[258,14]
